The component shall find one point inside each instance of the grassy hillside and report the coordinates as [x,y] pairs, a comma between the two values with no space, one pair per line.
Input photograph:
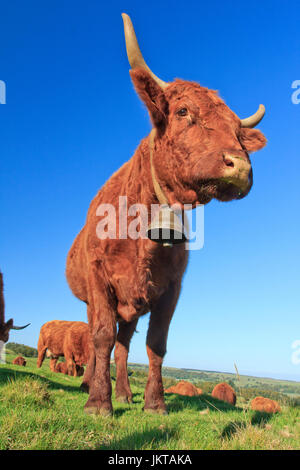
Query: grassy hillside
[42,410]
[289,387]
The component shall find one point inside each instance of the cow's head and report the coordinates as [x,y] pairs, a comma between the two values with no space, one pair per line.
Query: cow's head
[202,147]
[5,327]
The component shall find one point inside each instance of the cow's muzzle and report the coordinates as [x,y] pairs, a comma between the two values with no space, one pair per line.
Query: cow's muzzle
[237,171]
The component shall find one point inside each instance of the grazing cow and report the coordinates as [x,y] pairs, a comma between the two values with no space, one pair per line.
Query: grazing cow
[9,325]
[265,405]
[198,150]
[62,367]
[224,392]
[184,388]
[65,338]
[19,361]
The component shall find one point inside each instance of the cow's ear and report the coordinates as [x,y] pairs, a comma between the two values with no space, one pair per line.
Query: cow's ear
[9,324]
[252,139]
[152,96]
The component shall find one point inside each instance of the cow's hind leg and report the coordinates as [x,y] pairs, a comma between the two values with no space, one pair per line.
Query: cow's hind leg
[41,352]
[160,319]
[53,362]
[123,391]
[102,323]
[71,367]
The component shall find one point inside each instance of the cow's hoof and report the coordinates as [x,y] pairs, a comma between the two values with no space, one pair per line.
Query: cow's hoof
[105,412]
[84,387]
[157,411]
[124,399]
[93,410]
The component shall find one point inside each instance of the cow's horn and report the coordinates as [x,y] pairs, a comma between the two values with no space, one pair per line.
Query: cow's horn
[134,54]
[253,120]
[19,327]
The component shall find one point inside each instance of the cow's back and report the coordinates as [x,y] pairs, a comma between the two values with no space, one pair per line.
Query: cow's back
[53,334]
[75,267]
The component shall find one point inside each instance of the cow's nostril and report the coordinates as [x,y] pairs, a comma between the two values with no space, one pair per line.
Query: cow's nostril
[228,161]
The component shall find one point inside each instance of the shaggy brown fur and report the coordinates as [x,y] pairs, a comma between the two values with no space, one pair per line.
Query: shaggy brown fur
[224,392]
[68,339]
[19,361]
[265,405]
[184,388]
[122,279]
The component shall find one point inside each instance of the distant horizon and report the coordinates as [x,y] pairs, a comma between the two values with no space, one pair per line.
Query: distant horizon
[258,375]
[226,372]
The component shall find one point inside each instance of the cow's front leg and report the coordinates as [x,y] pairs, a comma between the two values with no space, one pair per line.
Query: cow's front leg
[102,322]
[160,319]
[99,401]
[123,391]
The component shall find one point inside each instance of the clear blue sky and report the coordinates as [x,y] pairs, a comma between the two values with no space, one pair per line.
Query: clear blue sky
[72,118]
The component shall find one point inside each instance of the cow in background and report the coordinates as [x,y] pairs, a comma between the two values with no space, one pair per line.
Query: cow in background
[67,339]
[19,361]
[5,327]
[62,367]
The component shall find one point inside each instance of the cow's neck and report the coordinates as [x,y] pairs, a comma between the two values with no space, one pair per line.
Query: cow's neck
[141,185]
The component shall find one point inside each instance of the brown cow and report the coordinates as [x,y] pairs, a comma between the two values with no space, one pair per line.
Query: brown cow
[184,388]
[265,405]
[77,371]
[197,151]
[19,361]
[9,325]
[224,392]
[61,367]
[65,338]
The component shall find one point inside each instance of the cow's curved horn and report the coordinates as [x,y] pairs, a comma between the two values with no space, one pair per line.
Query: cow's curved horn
[253,120]
[19,327]
[134,54]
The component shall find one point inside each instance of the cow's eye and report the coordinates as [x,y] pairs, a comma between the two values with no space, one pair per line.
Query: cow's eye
[182,112]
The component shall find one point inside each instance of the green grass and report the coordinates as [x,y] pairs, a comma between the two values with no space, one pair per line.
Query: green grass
[43,410]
